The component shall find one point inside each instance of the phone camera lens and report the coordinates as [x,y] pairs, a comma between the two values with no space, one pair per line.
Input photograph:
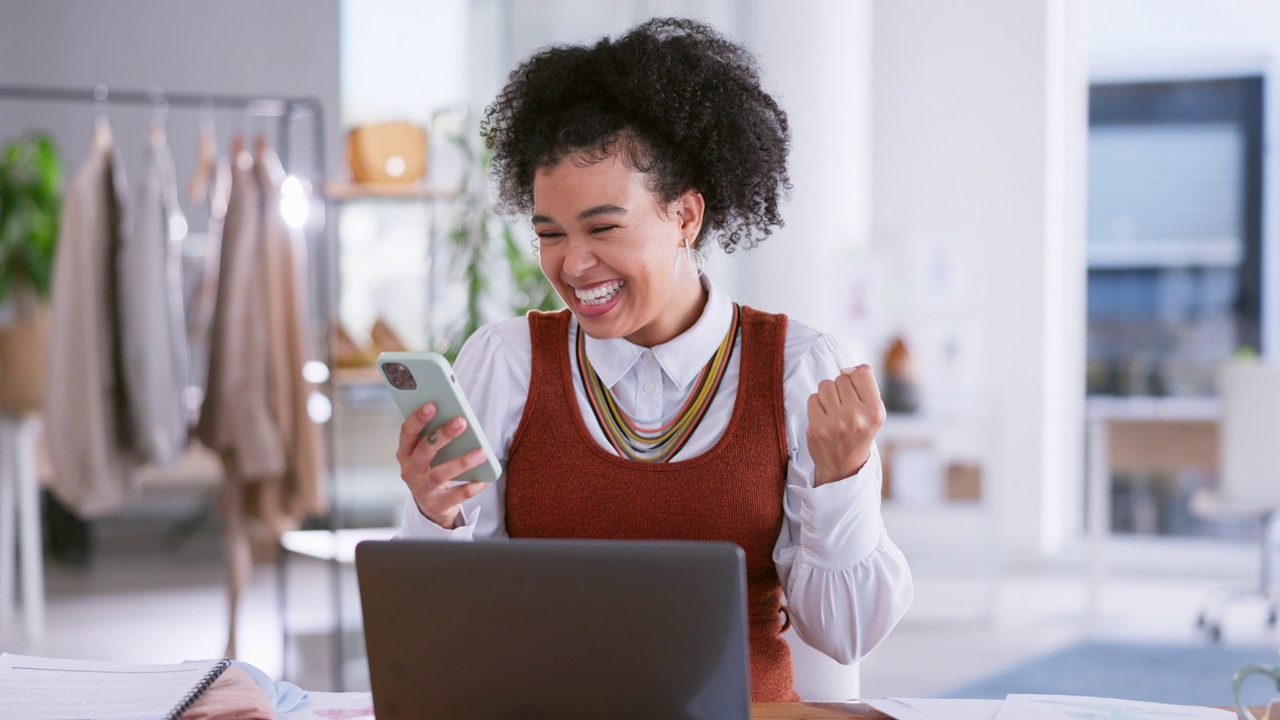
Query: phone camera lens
[400,377]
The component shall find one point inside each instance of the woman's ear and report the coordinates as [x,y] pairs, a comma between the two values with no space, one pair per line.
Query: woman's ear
[690,208]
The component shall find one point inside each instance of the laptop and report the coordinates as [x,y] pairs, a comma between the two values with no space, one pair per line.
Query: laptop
[555,629]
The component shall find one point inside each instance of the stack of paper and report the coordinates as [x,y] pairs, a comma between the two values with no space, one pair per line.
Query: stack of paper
[1042,707]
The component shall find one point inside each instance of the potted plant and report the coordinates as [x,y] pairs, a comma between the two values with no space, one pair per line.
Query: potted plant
[501,276]
[30,207]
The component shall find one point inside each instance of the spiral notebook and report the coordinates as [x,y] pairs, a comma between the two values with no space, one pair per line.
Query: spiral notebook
[39,688]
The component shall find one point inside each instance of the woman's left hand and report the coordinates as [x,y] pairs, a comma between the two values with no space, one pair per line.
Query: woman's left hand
[844,417]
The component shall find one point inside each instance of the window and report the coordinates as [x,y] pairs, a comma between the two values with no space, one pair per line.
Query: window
[1174,233]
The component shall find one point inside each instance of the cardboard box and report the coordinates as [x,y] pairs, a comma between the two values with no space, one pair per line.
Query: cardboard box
[964,481]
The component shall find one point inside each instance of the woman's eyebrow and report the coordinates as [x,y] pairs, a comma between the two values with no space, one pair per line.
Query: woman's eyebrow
[606,209]
[602,210]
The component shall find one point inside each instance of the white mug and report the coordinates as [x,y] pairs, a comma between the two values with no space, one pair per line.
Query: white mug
[1273,710]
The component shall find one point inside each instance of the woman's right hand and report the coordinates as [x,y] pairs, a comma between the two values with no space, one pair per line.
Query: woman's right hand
[438,499]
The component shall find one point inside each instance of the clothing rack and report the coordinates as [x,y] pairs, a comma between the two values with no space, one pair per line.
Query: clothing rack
[286,111]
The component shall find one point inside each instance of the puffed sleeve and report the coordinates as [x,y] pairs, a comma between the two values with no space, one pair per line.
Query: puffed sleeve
[493,369]
[846,583]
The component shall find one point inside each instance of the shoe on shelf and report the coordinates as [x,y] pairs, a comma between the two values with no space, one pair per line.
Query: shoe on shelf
[384,338]
[346,353]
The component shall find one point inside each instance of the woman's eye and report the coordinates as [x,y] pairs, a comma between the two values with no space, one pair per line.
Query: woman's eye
[603,229]
[550,236]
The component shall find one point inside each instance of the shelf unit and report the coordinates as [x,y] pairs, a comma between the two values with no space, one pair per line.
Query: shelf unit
[970,527]
[340,192]
[359,390]
[361,408]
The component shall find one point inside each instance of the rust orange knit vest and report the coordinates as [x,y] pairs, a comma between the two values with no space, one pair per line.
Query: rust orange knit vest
[562,484]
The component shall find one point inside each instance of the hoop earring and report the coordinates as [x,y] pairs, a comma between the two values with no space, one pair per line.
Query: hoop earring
[688,257]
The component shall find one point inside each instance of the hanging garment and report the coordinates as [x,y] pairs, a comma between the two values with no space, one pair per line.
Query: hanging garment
[290,347]
[256,514]
[276,504]
[236,419]
[201,253]
[152,318]
[85,412]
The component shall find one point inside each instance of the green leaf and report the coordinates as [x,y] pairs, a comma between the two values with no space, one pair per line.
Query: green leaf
[30,208]
[480,240]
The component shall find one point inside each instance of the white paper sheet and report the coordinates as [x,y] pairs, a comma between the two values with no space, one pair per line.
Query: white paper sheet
[935,708]
[1079,707]
[348,705]
[35,688]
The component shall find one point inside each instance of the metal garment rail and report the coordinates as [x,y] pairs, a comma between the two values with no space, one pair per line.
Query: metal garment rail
[286,110]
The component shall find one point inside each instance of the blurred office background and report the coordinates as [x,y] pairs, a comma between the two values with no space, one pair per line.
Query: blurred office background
[1050,224]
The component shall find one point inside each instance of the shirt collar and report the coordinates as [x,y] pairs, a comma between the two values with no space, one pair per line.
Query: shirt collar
[681,358]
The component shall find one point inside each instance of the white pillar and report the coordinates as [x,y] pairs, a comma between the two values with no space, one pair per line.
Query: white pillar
[816,60]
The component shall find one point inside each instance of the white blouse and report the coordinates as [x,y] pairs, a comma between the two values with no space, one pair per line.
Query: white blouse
[846,583]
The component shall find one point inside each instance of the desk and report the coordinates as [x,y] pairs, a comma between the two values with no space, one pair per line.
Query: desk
[812,711]
[354,704]
[1100,414]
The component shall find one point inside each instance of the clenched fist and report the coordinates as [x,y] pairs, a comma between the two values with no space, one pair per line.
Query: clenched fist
[844,417]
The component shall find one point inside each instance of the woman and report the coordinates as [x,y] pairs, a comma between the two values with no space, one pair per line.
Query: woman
[655,407]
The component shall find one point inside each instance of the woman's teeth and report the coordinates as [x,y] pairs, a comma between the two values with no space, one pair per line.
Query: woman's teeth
[599,294]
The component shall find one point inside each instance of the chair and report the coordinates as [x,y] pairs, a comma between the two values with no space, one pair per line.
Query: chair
[1249,480]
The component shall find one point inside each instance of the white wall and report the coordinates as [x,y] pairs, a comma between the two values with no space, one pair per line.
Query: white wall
[1143,36]
[1176,39]
[289,48]
[402,59]
[977,131]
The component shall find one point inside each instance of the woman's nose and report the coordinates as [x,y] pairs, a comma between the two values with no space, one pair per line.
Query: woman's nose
[578,257]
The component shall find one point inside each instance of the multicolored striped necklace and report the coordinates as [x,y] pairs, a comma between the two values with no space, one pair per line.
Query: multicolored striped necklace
[658,444]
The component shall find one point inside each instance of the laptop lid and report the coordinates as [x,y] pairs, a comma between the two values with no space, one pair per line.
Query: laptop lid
[555,629]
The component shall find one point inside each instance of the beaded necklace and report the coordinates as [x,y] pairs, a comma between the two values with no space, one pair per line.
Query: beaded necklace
[658,444]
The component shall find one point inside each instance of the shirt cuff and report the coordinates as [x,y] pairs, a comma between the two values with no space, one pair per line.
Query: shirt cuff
[840,522]
[415,526]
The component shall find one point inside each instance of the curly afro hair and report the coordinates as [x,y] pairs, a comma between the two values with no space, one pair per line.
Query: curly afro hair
[681,103]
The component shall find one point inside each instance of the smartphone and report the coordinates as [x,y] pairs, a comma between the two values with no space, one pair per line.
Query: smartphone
[417,378]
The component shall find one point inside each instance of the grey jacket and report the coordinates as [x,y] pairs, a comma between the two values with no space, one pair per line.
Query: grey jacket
[152,318]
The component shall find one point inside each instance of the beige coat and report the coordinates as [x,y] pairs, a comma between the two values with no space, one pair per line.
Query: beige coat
[236,418]
[255,410]
[85,412]
[290,347]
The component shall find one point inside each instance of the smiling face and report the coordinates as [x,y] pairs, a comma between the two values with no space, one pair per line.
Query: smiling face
[608,246]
